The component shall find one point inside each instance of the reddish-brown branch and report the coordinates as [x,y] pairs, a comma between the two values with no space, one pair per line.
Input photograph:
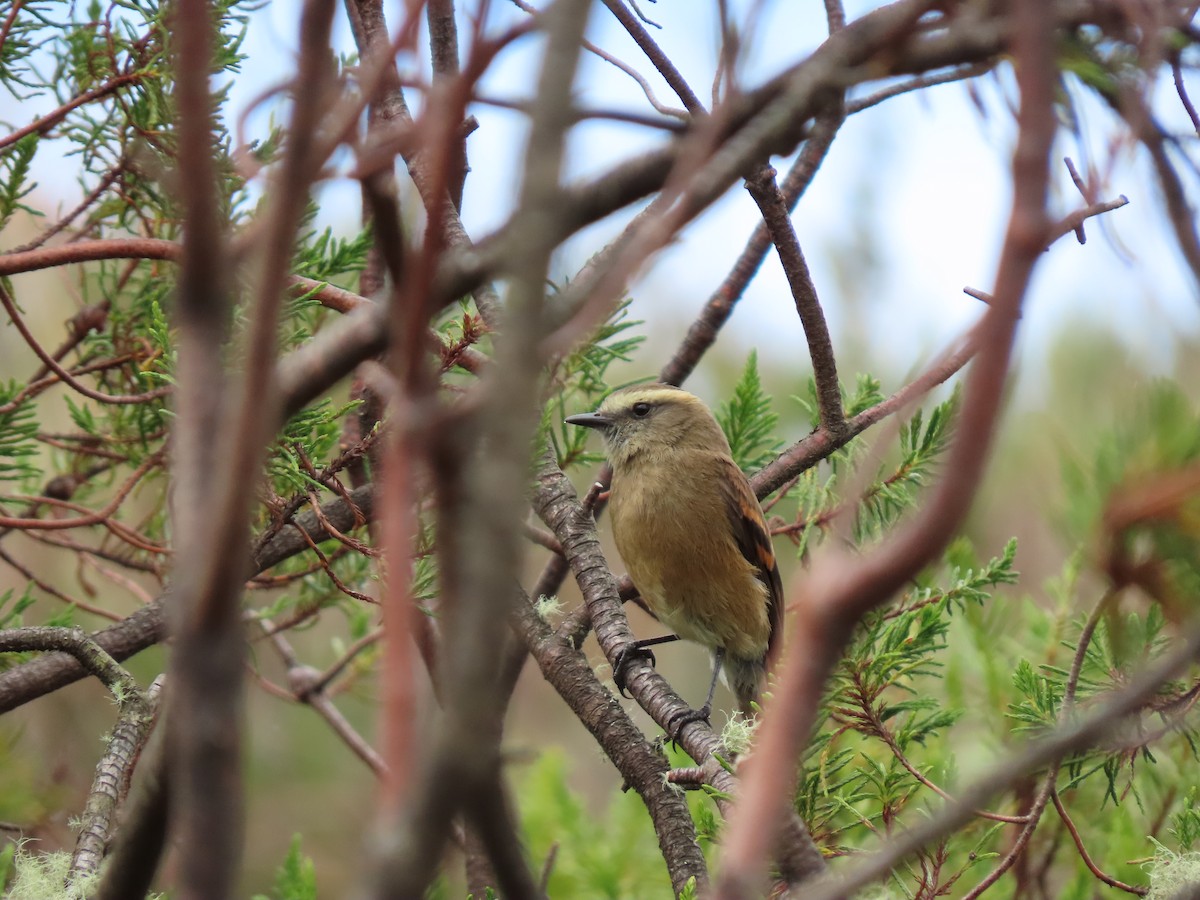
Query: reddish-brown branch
[325,678]
[1140,120]
[79,326]
[303,689]
[1033,817]
[920,82]
[1086,857]
[396,486]
[1181,90]
[342,728]
[443,53]
[614,61]
[478,501]
[8,21]
[702,333]
[103,516]
[55,592]
[838,593]
[147,626]
[328,570]
[34,260]
[818,445]
[88,560]
[38,385]
[55,539]
[1074,222]
[655,54]
[774,208]
[48,121]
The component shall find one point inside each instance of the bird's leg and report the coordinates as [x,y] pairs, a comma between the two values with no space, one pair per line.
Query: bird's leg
[685,717]
[636,650]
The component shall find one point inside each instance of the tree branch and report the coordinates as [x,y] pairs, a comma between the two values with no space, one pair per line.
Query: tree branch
[834,596]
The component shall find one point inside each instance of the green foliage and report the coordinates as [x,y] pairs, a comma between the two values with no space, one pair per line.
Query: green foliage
[954,673]
[878,708]
[748,421]
[14,174]
[18,435]
[325,257]
[312,433]
[1157,440]
[30,875]
[1185,824]
[1040,698]
[1161,432]
[10,617]
[296,878]
[120,146]
[577,384]
[599,854]
[7,863]
[23,39]
[894,492]
[867,393]
[817,492]
[952,658]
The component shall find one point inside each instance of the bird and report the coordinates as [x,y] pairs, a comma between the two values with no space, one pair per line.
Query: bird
[693,536]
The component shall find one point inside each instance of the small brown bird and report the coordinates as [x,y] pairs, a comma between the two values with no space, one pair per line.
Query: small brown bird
[692,533]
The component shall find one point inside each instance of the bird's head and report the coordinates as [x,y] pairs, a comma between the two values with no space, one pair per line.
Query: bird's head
[651,420]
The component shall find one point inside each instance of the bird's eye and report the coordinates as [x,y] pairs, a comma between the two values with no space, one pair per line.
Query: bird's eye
[641,410]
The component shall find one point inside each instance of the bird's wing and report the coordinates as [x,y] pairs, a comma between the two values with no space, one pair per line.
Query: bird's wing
[754,540]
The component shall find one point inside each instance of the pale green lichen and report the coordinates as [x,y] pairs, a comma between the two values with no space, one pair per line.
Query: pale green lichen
[547,607]
[42,876]
[1173,875]
[738,733]
[671,786]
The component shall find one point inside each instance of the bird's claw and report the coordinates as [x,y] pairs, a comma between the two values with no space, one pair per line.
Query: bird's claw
[685,717]
[625,656]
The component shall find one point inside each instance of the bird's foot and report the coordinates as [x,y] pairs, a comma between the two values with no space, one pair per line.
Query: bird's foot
[685,717]
[627,654]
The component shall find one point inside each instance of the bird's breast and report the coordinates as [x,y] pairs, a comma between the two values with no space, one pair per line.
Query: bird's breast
[675,535]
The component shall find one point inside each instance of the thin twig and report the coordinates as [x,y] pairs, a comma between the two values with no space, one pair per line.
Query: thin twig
[51,363]
[838,592]
[773,206]
[1086,857]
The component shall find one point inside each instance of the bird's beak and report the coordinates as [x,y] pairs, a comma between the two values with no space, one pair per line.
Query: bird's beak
[590,420]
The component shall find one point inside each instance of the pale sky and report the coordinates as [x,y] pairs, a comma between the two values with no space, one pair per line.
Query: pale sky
[918,185]
[908,209]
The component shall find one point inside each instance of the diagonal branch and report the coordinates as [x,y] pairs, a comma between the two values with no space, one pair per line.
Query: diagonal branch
[838,592]
[568,672]
[774,209]
[556,503]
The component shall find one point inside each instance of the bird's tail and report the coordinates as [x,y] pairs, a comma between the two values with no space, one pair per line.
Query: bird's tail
[745,678]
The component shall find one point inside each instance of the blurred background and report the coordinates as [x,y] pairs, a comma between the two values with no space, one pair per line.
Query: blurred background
[908,209]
